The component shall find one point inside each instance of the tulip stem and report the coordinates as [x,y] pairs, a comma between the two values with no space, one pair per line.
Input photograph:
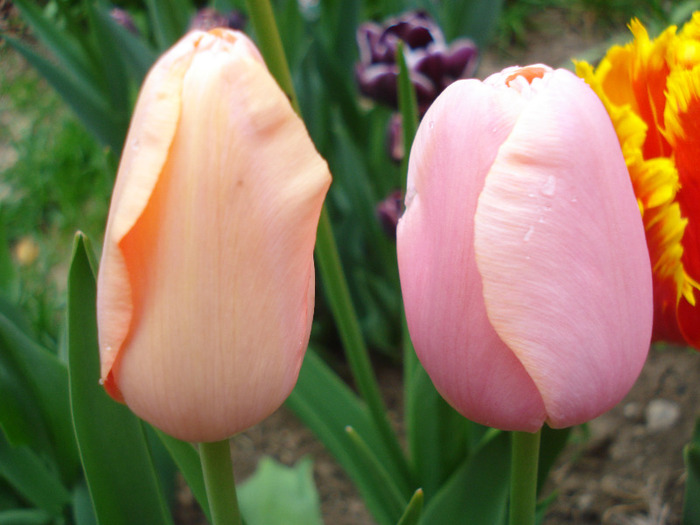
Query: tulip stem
[270,43]
[523,477]
[338,294]
[219,482]
[408,107]
[330,267]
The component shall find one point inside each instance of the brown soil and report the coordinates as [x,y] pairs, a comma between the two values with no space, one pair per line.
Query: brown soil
[630,470]
[624,468]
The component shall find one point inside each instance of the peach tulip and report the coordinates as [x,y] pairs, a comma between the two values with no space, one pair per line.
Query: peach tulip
[523,262]
[206,283]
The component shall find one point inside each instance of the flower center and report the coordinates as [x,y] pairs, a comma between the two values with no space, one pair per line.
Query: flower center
[529,73]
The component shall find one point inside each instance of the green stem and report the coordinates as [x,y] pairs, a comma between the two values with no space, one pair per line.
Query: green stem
[523,477]
[270,43]
[338,294]
[408,105]
[330,267]
[219,482]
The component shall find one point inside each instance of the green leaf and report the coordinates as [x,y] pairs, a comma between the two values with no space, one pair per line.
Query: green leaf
[30,477]
[135,52]
[20,418]
[408,105]
[9,285]
[279,495]
[25,517]
[339,86]
[84,98]
[35,390]
[552,443]
[382,485]
[61,45]
[116,459]
[437,434]
[327,406]
[187,460]
[112,69]
[475,19]
[83,512]
[411,515]
[479,489]
[691,454]
[169,20]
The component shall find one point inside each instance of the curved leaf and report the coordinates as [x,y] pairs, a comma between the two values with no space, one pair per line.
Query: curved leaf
[30,477]
[479,489]
[118,466]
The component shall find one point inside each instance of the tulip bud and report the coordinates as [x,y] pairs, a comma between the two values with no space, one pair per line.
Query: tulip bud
[206,284]
[523,263]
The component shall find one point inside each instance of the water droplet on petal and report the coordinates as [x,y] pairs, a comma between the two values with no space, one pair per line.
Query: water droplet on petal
[528,234]
[549,186]
[431,124]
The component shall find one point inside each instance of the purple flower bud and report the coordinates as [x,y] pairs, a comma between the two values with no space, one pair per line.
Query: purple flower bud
[444,67]
[209,18]
[432,64]
[389,211]
[416,29]
[124,19]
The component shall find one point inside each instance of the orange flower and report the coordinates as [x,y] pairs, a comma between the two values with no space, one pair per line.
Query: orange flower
[205,293]
[651,89]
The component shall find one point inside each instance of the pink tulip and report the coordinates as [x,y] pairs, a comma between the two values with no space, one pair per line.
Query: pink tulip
[522,254]
[206,284]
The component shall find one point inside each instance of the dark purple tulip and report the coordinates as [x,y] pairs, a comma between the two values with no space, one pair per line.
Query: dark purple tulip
[432,64]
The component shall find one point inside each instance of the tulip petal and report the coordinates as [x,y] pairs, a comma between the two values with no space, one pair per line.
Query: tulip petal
[560,247]
[468,363]
[219,261]
[146,148]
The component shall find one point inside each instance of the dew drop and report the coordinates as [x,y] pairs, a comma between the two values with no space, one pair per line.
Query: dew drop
[549,186]
[528,234]
[136,145]
[574,199]
[101,382]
